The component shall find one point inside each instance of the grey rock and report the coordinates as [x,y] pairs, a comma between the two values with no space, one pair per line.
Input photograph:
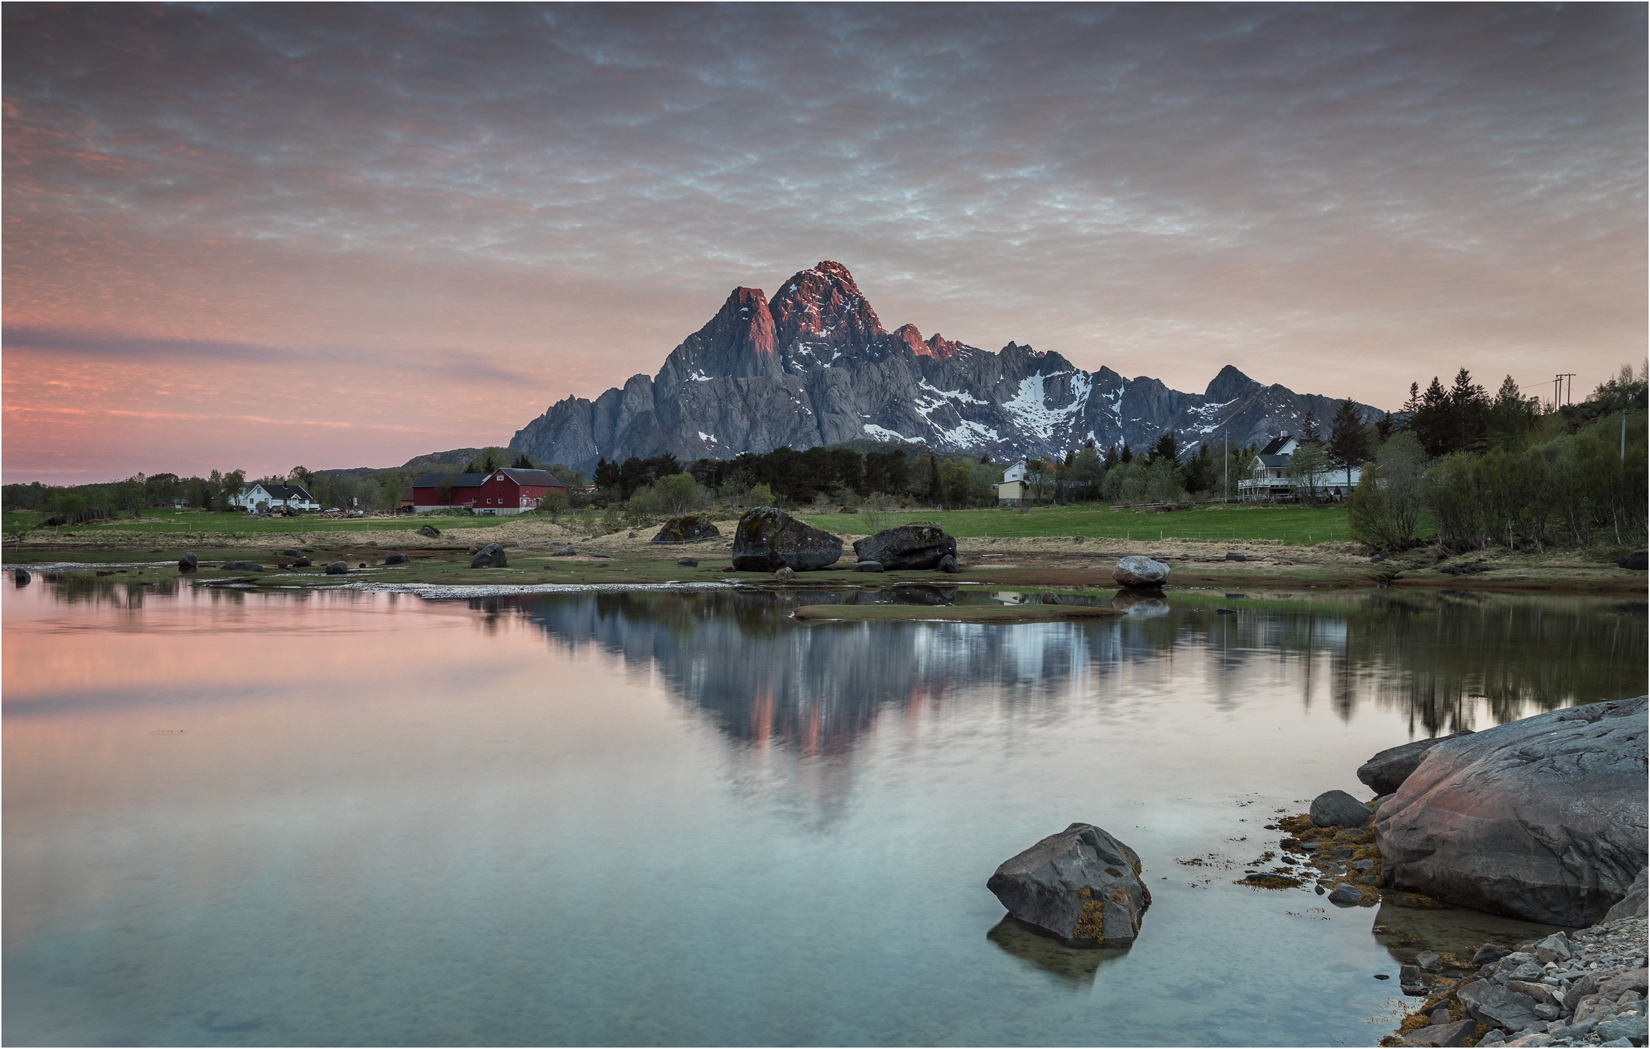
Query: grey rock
[767,539]
[1574,1030]
[1445,1034]
[490,556]
[1140,573]
[567,551]
[1489,953]
[1594,1007]
[1409,980]
[1493,1038]
[1337,808]
[688,562]
[301,562]
[1637,562]
[242,566]
[398,559]
[337,568]
[1555,948]
[1440,1016]
[868,566]
[1614,1043]
[289,552]
[1543,818]
[1539,1040]
[1232,555]
[1546,1011]
[1226,611]
[20,577]
[430,532]
[1615,986]
[918,546]
[1631,905]
[1362,865]
[689,528]
[1536,990]
[188,563]
[1497,1006]
[1345,895]
[1081,886]
[1429,962]
[785,574]
[372,542]
[948,565]
[1631,1028]
[1385,772]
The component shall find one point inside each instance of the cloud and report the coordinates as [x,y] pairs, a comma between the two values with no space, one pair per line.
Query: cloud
[1336,197]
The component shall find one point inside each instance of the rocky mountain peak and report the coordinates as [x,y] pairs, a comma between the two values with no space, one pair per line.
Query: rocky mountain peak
[940,348]
[823,304]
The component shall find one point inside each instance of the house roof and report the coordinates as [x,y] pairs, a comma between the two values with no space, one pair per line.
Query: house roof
[1278,443]
[285,491]
[1273,460]
[525,478]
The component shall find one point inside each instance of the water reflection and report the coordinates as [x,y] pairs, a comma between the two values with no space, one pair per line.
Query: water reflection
[1070,966]
[1442,660]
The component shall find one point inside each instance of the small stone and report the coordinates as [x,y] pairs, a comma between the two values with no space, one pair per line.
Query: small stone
[785,574]
[1232,555]
[363,564]
[1632,1028]
[337,568]
[397,559]
[1050,597]
[868,566]
[566,551]
[430,532]
[1546,1012]
[372,542]
[948,564]
[1447,1033]
[1489,953]
[688,562]
[1346,895]
[242,566]
[289,552]
[1429,962]
[1337,808]
[1226,611]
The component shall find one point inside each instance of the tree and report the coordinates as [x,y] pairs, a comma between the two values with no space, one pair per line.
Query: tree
[1348,444]
[1511,415]
[1469,408]
[1384,429]
[1309,430]
[1125,456]
[1165,448]
[1385,508]
[607,474]
[300,476]
[1306,470]
[521,462]
[1085,474]
[490,460]
[761,495]
[1432,420]
[677,493]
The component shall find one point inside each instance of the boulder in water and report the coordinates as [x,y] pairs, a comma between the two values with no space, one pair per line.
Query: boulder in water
[1385,772]
[1543,819]
[242,566]
[689,528]
[188,563]
[338,568]
[767,539]
[1140,572]
[921,545]
[1081,886]
[20,577]
[868,566]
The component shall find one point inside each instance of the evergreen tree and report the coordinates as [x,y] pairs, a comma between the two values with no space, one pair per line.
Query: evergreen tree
[521,462]
[1433,421]
[1469,410]
[1384,428]
[1166,448]
[1125,456]
[1348,443]
[1309,430]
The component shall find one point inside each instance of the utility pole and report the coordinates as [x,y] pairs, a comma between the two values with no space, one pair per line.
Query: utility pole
[1562,387]
[1226,461]
[1624,435]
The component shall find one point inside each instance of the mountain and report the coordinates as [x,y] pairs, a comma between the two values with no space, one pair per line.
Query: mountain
[815,366]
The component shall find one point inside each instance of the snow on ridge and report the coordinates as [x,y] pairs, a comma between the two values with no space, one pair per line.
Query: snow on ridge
[885,434]
[708,438]
[1028,409]
[955,395]
[698,376]
[967,433]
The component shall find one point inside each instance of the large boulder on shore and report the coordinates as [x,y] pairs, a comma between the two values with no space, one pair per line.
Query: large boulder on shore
[766,540]
[1081,886]
[689,528]
[1385,772]
[1543,819]
[1140,572]
[490,556]
[918,546]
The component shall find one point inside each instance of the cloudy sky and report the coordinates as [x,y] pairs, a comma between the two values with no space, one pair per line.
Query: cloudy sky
[256,236]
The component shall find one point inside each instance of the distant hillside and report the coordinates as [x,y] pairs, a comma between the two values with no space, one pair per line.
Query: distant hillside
[815,366]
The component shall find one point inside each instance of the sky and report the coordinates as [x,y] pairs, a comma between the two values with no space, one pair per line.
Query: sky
[258,236]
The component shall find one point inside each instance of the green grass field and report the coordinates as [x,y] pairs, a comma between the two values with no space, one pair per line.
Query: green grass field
[1215,523]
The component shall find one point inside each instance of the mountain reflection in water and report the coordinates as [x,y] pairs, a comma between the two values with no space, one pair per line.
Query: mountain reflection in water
[819,688]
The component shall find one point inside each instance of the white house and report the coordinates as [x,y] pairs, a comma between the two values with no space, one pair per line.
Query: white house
[274,497]
[1269,475]
[1014,489]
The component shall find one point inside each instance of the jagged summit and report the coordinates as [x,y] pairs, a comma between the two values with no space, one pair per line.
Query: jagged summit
[814,365]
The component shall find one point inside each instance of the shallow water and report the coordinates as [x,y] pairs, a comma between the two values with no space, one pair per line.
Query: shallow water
[339,818]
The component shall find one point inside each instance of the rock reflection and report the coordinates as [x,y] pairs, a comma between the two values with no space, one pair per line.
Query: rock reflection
[1072,966]
[1454,933]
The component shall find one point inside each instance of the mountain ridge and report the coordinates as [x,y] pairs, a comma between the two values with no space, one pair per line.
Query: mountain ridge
[815,366]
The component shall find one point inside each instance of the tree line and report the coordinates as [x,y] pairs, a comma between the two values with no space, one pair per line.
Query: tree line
[1506,471]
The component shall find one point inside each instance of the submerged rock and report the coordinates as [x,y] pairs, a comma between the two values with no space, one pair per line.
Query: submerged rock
[1386,771]
[1140,572]
[920,545]
[188,563]
[689,528]
[242,566]
[21,577]
[1543,819]
[767,539]
[1081,886]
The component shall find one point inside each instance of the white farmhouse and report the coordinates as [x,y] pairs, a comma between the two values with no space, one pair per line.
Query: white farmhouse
[273,497]
[1015,489]
[1269,475]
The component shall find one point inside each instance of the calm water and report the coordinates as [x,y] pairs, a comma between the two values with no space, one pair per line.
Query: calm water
[340,818]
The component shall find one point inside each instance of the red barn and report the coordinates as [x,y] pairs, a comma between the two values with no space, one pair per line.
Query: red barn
[504,491]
